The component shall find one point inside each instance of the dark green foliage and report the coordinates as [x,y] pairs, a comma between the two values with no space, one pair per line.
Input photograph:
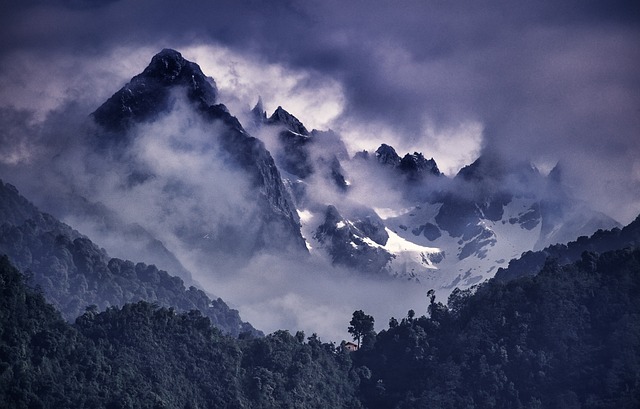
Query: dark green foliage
[360,325]
[602,240]
[143,356]
[283,371]
[566,338]
[35,345]
[74,273]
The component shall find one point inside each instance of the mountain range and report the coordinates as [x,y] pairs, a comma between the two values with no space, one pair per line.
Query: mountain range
[298,191]
[169,177]
[108,301]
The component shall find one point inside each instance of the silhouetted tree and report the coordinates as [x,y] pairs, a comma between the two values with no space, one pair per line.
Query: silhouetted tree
[360,325]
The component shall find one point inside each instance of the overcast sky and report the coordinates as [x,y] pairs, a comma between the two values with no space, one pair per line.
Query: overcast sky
[540,81]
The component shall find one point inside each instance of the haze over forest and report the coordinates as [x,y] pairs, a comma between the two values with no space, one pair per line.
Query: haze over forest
[547,83]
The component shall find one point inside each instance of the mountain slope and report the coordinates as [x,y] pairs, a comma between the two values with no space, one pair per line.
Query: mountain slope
[531,262]
[489,213]
[142,356]
[207,139]
[74,273]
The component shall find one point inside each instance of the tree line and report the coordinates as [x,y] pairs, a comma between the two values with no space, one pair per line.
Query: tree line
[568,337]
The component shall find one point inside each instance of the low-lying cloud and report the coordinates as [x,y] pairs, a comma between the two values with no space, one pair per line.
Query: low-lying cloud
[543,81]
[310,295]
[173,180]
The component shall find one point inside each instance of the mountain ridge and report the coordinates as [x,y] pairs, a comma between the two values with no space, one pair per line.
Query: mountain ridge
[269,210]
[74,273]
[154,93]
[531,262]
[488,213]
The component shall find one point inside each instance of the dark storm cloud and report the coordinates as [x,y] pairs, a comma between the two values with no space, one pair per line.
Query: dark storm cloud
[547,81]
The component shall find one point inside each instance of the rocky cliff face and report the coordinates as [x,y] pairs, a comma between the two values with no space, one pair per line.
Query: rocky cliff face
[443,231]
[169,83]
[302,153]
[148,94]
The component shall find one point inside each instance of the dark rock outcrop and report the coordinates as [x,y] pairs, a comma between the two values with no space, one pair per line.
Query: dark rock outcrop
[152,94]
[344,241]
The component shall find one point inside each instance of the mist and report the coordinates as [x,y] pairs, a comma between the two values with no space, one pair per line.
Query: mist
[547,83]
[309,294]
[175,182]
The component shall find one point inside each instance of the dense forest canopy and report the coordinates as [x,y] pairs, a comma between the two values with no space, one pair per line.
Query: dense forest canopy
[145,356]
[73,272]
[559,328]
[568,337]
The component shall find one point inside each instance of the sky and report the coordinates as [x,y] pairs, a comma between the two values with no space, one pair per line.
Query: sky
[540,81]
[537,80]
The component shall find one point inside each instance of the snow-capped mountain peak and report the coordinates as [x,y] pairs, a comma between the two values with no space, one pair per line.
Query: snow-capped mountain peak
[442,232]
[447,232]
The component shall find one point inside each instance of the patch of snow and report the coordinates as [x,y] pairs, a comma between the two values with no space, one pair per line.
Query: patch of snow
[298,134]
[397,244]
[511,241]
[305,216]
[387,213]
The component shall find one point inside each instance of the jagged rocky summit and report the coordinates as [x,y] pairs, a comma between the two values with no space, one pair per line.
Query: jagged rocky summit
[272,223]
[149,93]
[444,231]
[450,232]
[301,153]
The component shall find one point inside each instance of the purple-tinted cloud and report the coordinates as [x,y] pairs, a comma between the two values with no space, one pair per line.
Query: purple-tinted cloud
[545,81]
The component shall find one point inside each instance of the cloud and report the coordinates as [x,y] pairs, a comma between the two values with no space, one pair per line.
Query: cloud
[242,78]
[532,75]
[17,136]
[191,184]
[312,296]
[542,81]
[41,81]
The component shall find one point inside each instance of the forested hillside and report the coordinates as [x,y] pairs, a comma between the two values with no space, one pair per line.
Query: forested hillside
[568,337]
[143,356]
[74,273]
[602,240]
